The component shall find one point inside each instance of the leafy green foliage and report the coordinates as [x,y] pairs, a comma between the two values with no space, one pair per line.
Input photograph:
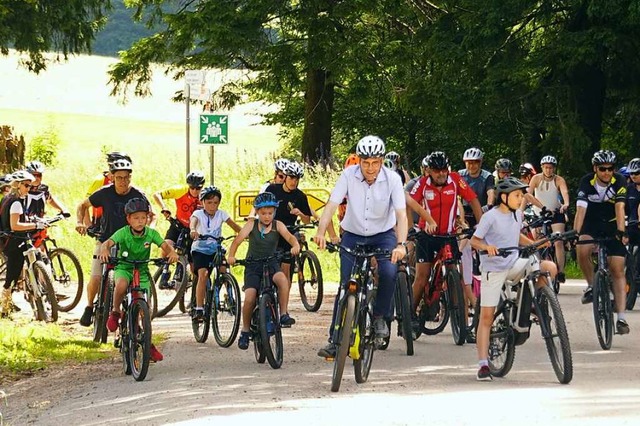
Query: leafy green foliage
[44,146]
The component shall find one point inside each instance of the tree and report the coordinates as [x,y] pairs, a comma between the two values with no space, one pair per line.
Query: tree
[39,26]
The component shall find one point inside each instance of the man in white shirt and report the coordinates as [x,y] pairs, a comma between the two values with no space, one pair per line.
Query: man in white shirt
[376,205]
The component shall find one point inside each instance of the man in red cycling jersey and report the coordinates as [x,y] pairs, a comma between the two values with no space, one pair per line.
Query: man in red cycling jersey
[438,193]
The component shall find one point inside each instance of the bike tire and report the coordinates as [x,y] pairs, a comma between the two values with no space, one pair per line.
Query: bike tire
[67,278]
[502,348]
[310,283]
[456,307]
[271,339]
[166,299]
[602,310]
[631,275]
[255,335]
[103,308]
[346,314]
[362,365]
[403,311]
[434,322]
[557,338]
[225,311]
[46,306]
[124,345]
[139,338]
[201,327]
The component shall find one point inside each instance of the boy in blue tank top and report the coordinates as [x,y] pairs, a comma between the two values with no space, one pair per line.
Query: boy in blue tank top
[263,235]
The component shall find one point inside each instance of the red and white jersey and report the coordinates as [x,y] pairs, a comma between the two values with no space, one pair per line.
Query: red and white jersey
[442,201]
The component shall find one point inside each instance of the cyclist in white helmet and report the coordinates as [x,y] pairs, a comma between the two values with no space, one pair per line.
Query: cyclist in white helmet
[39,195]
[552,191]
[278,175]
[376,215]
[395,165]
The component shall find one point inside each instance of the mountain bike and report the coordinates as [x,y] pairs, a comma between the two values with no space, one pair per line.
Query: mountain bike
[134,331]
[104,299]
[443,298]
[402,307]
[223,302]
[353,331]
[265,329]
[543,224]
[64,267]
[171,280]
[523,303]
[308,270]
[602,294]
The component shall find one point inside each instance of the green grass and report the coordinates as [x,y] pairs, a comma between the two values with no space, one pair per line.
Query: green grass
[29,346]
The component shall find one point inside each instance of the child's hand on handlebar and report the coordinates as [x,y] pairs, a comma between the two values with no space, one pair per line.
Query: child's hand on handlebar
[231,260]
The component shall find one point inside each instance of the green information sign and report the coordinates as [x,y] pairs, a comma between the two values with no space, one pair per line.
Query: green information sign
[214,129]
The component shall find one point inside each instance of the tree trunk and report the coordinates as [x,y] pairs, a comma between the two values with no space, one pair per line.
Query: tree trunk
[318,110]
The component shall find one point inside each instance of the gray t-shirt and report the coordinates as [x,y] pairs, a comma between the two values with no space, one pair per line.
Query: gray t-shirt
[501,230]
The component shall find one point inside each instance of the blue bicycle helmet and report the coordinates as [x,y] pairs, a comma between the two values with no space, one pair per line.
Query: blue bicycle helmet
[266,199]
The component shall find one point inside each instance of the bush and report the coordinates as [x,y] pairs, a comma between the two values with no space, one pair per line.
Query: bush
[44,146]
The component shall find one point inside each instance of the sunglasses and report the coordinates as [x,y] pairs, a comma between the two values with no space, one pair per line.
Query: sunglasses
[28,185]
[606,169]
[634,173]
[279,176]
[197,188]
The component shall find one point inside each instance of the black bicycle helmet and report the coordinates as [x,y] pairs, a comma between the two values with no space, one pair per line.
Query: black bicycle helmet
[265,199]
[135,205]
[438,160]
[504,165]
[195,179]
[209,192]
[117,155]
[507,186]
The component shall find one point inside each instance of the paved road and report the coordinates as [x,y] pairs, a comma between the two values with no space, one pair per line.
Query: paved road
[205,384]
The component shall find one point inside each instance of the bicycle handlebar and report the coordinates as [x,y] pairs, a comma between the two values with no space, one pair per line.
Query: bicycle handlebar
[358,251]
[299,226]
[213,237]
[158,261]
[261,260]
[531,248]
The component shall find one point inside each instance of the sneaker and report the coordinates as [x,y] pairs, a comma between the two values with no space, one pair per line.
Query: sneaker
[112,322]
[155,354]
[622,327]
[243,341]
[471,336]
[560,277]
[87,317]
[484,374]
[328,351]
[587,296]
[380,328]
[198,315]
[286,321]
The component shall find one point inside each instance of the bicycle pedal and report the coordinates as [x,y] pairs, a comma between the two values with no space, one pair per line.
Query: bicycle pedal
[330,359]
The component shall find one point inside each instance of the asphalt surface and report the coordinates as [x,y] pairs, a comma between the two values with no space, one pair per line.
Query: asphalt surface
[205,384]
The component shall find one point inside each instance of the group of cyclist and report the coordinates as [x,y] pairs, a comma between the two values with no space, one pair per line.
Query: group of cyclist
[374,194]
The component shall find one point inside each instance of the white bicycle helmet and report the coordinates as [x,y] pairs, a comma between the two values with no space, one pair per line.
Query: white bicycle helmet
[389,164]
[294,169]
[393,156]
[603,156]
[472,154]
[119,165]
[22,175]
[549,159]
[634,165]
[35,167]
[370,146]
[280,164]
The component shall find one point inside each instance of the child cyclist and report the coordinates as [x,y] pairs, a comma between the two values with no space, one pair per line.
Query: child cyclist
[499,228]
[207,221]
[136,240]
[263,235]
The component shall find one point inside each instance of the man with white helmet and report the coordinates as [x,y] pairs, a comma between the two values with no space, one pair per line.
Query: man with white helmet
[552,191]
[393,158]
[112,199]
[600,213]
[278,175]
[376,216]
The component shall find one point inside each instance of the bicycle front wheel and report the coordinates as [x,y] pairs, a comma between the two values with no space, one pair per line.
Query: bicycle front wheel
[434,315]
[502,349]
[403,311]
[310,280]
[270,331]
[103,308]
[345,315]
[456,306]
[200,326]
[258,351]
[170,283]
[603,309]
[362,365]
[554,333]
[67,278]
[225,310]
[46,306]
[139,338]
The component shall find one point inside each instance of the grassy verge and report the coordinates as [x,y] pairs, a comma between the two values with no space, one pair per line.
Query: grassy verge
[29,346]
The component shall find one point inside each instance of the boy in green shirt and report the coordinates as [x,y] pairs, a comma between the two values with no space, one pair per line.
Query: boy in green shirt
[136,240]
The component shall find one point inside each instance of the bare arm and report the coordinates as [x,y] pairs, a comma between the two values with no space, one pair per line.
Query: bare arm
[16,225]
[564,191]
[325,219]
[233,225]
[476,208]
[81,211]
[288,237]
[579,219]
[244,233]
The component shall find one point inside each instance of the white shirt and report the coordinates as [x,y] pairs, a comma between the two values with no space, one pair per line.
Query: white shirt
[208,225]
[370,208]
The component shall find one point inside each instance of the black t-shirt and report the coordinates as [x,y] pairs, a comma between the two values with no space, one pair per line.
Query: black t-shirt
[37,200]
[601,212]
[289,201]
[633,200]
[113,216]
